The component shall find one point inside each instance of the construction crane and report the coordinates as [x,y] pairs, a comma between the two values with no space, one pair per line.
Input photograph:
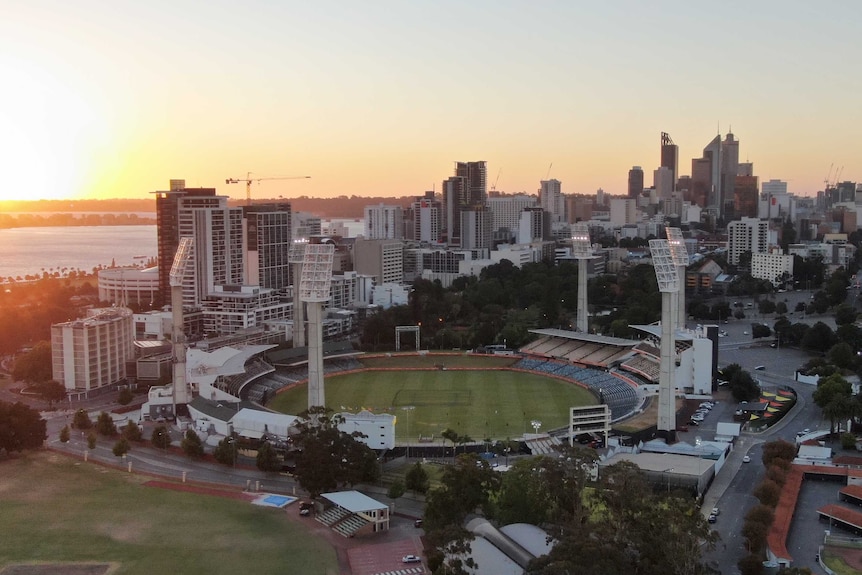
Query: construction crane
[494,187]
[248,180]
[829,173]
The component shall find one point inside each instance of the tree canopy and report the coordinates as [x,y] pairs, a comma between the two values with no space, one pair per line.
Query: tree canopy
[20,427]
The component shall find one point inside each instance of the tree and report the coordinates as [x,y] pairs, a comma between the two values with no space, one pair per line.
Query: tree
[226,451]
[160,437]
[396,490]
[416,479]
[766,306]
[845,314]
[64,434]
[841,354]
[91,440]
[125,397]
[35,365]
[818,338]
[781,308]
[132,431]
[82,420]
[51,390]
[192,445]
[20,427]
[105,425]
[759,330]
[121,447]
[267,458]
[328,457]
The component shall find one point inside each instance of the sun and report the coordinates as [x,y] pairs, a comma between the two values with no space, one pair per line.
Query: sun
[48,127]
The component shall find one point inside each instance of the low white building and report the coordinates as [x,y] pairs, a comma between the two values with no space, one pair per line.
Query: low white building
[771,267]
[124,286]
[378,428]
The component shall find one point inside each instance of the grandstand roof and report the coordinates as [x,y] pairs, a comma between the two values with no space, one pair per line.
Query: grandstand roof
[353,501]
[654,329]
[299,355]
[581,336]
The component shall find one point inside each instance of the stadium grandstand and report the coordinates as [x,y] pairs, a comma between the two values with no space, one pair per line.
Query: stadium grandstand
[588,359]
[292,368]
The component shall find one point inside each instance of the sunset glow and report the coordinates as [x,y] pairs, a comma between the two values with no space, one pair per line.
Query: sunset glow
[114,99]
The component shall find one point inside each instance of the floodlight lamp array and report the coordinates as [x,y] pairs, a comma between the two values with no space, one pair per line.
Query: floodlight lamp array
[181,261]
[677,246]
[297,249]
[316,277]
[581,246]
[665,271]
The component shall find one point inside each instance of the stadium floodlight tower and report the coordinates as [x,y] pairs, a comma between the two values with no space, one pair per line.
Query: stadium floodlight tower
[314,288]
[294,257]
[179,268]
[680,262]
[582,249]
[668,285]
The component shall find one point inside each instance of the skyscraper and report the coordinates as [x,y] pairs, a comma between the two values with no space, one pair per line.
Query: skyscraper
[551,199]
[267,245]
[455,194]
[729,170]
[427,216]
[670,157]
[383,222]
[636,181]
[476,174]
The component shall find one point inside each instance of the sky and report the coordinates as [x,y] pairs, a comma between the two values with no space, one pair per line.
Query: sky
[113,98]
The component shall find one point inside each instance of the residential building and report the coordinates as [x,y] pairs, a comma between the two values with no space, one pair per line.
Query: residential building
[91,353]
[551,199]
[476,229]
[268,238]
[381,259]
[231,308]
[746,235]
[506,211]
[534,225]
[623,211]
[123,286]
[427,219]
[772,267]
[384,222]
[663,182]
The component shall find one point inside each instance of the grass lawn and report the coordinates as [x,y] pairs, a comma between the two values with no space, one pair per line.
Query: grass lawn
[56,509]
[496,404]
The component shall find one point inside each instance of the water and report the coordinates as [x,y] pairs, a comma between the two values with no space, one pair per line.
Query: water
[29,251]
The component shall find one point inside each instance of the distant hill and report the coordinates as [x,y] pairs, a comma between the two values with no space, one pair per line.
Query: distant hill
[340,207]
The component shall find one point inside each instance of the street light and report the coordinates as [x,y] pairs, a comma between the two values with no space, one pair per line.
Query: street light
[408,409]
[668,479]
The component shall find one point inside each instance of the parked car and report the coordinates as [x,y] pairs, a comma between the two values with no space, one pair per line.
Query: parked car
[712,519]
[417,523]
[746,459]
[411,559]
[694,422]
[715,511]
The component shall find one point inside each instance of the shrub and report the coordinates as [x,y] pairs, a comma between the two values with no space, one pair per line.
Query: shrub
[82,420]
[64,434]
[125,397]
[848,441]
[161,438]
[121,447]
[192,445]
[105,425]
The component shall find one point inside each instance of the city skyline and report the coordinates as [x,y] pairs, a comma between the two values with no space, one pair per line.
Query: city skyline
[112,100]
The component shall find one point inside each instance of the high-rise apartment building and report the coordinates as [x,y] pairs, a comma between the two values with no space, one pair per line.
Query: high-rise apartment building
[534,226]
[623,211]
[551,199]
[383,222]
[746,235]
[477,178]
[267,244]
[455,195]
[663,182]
[427,219]
[476,230]
[168,208]
[636,181]
[670,157]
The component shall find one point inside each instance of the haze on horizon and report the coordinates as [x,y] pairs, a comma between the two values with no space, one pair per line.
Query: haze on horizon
[112,99]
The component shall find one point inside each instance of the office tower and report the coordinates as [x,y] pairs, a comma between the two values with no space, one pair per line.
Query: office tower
[746,235]
[663,182]
[551,199]
[774,187]
[745,169]
[267,245]
[729,170]
[701,182]
[745,196]
[384,222]
[506,211]
[427,219]
[636,181]
[712,153]
[670,157]
[476,175]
